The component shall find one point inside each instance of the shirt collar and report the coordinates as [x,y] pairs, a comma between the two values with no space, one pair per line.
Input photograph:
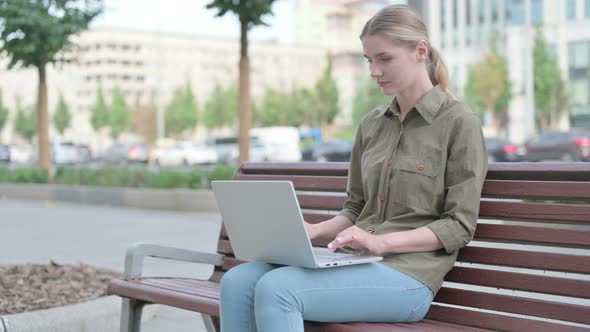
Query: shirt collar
[427,106]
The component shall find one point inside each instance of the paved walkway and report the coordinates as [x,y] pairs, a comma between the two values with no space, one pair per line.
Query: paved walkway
[36,232]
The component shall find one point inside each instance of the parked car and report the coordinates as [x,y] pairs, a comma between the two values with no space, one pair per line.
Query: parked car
[84,153]
[335,150]
[185,153]
[64,153]
[500,150]
[573,145]
[4,153]
[126,152]
[21,154]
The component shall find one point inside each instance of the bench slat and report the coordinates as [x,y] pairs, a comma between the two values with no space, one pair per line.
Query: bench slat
[300,182]
[544,235]
[520,281]
[178,299]
[514,304]
[545,171]
[321,202]
[526,259]
[535,211]
[422,326]
[495,322]
[302,168]
[556,190]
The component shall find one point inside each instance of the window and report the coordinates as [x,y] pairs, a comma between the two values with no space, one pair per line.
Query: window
[468,13]
[481,10]
[455,14]
[579,54]
[571,9]
[580,92]
[537,11]
[515,11]
[587,8]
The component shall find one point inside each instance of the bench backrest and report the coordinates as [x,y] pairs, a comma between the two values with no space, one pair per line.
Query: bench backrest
[531,252]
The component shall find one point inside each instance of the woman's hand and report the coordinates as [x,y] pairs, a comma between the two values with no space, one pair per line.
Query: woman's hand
[357,239]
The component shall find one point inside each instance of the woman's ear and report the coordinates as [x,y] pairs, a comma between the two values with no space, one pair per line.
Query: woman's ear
[422,51]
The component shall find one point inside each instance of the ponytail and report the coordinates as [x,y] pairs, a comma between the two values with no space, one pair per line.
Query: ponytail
[438,71]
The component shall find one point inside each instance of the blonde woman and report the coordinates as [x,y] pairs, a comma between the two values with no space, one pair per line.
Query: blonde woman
[415,178]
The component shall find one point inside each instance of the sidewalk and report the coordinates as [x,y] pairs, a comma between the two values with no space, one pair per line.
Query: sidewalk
[36,232]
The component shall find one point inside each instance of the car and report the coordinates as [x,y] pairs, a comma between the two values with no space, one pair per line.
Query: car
[64,153]
[573,145]
[126,152]
[84,153]
[500,150]
[4,153]
[185,153]
[334,150]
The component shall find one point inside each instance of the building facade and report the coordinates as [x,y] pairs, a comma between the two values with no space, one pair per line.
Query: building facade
[143,64]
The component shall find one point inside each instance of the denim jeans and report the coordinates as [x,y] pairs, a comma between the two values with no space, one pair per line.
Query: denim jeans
[269,298]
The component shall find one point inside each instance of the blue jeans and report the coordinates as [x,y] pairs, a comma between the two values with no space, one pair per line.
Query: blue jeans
[268,298]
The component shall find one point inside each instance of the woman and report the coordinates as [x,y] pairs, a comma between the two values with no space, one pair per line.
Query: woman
[415,178]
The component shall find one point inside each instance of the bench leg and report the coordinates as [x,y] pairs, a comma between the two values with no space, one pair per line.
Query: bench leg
[131,315]
[211,323]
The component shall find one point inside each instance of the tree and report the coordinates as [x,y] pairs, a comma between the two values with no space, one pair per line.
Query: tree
[25,123]
[250,13]
[220,109]
[368,96]
[547,76]
[488,88]
[100,112]
[36,33]
[326,97]
[144,121]
[181,114]
[61,117]
[3,113]
[118,114]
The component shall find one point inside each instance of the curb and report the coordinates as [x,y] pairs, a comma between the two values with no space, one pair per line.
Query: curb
[159,199]
[99,315]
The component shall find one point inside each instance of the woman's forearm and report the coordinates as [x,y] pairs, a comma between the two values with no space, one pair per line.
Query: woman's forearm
[417,240]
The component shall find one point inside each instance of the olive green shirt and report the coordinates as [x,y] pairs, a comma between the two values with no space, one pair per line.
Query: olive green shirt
[427,171]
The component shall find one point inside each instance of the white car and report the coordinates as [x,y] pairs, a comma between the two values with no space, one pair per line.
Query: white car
[185,153]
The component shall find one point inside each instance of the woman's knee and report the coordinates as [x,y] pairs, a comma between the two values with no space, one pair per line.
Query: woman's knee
[244,276]
[278,286]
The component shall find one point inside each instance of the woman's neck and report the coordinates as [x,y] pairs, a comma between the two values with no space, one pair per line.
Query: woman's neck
[407,99]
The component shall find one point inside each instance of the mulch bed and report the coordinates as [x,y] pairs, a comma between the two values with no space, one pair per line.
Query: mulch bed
[41,286]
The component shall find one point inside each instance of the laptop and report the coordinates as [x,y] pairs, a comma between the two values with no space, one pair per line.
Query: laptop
[265,224]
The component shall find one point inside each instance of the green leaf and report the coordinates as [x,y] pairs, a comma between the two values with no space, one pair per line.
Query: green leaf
[61,117]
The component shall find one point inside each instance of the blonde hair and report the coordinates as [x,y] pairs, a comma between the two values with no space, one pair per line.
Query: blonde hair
[404,26]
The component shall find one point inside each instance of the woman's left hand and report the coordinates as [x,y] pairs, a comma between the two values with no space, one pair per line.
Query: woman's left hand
[357,239]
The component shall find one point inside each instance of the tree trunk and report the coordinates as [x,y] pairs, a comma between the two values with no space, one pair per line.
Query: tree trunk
[43,122]
[245,111]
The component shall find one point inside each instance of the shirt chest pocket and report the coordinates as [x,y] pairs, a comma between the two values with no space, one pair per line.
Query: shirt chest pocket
[415,182]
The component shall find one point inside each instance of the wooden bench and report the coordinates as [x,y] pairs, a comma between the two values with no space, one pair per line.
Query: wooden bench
[528,268]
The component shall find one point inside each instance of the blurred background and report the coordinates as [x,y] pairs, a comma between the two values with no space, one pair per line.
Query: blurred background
[155,84]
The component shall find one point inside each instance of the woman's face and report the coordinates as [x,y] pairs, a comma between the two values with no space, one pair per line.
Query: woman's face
[393,67]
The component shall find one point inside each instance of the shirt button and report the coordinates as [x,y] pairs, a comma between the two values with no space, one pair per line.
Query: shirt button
[381,198]
[389,162]
[371,229]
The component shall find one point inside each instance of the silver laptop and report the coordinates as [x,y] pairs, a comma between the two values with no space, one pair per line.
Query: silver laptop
[265,224]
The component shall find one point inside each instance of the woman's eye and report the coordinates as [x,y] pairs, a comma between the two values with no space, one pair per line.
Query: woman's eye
[369,61]
[385,59]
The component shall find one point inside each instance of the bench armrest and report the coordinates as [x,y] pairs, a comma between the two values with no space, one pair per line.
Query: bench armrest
[136,253]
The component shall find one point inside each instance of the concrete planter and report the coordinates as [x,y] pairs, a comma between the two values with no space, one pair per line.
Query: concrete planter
[173,199]
[100,315]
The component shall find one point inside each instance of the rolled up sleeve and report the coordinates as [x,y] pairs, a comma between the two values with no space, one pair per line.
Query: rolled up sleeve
[355,201]
[465,173]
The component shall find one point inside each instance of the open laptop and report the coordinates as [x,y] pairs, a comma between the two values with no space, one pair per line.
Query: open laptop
[265,224]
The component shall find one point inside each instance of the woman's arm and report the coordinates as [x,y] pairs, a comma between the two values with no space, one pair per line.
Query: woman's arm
[416,240]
